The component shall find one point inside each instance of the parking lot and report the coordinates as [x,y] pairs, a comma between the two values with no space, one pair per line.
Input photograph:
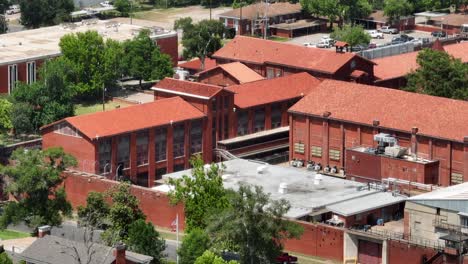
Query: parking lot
[315,38]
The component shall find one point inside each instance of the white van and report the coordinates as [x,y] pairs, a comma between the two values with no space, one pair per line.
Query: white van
[14,9]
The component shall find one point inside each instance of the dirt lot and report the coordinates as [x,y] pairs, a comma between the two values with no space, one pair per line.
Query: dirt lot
[165,17]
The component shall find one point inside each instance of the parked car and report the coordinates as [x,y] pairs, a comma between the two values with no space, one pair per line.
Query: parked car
[325,43]
[359,47]
[419,41]
[397,41]
[285,258]
[406,37]
[14,9]
[372,46]
[388,30]
[106,3]
[375,34]
[439,34]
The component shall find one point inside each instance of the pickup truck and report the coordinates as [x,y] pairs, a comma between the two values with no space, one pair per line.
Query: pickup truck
[388,30]
[285,258]
[375,34]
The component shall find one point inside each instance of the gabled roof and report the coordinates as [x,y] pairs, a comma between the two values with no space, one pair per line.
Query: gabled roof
[57,250]
[400,65]
[398,110]
[273,90]
[260,51]
[187,88]
[195,64]
[260,10]
[238,71]
[133,118]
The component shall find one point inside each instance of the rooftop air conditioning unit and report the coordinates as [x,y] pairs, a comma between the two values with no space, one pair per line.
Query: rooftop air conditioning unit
[326,169]
[283,188]
[317,167]
[262,169]
[334,169]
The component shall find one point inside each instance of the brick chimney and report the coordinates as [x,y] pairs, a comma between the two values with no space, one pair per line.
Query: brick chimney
[414,141]
[119,253]
[42,231]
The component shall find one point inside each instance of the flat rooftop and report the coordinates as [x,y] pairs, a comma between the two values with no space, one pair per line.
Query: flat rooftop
[303,23]
[405,157]
[43,42]
[305,193]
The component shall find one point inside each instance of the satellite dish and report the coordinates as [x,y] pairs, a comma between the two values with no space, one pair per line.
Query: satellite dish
[453,8]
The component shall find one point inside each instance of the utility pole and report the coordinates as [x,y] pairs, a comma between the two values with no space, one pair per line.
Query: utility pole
[103,98]
[210,8]
[131,11]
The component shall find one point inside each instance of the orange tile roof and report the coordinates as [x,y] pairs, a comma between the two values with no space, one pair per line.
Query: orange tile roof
[260,51]
[133,118]
[195,64]
[259,10]
[400,65]
[238,71]
[188,87]
[398,110]
[273,90]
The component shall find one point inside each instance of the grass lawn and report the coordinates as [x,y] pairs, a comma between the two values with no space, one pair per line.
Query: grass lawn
[82,109]
[10,234]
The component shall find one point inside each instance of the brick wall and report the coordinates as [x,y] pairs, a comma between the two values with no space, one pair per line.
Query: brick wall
[398,251]
[154,205]
[217,77]
[169,45]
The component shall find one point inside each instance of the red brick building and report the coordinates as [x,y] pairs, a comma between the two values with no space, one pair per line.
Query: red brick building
[194,66]
[229,74]
[274,59]
[23,52]
[392,71]
[142,142]
[336,125]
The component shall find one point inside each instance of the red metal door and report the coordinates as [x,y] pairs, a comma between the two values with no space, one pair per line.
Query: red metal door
[369,252]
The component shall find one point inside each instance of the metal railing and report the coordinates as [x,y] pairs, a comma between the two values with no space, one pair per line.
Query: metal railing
[224,154]
[450,227]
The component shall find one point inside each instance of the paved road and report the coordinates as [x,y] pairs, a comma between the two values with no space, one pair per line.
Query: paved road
[171,249]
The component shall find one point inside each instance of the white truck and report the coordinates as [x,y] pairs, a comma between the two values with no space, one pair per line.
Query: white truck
[464,31]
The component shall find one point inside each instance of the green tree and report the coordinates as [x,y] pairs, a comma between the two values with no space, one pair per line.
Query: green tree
[439,74]
[193,245]
[4,5]
[202,193]
[344,10]
[44,101]
[254,226]
[395,9]
[39,13]
[144,239]
[5,115]
[96,212]
[144,61]
[5,259]
[123,6]
[353,35]
[209,257]
[122,214]
[3,24]
[34,180]
[202,39]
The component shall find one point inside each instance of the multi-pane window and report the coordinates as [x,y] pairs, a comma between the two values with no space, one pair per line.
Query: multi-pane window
[334,154]
[242,123]
[160,172]
[12,77]
[259,120]
[123,151]
[161,144]
[275,116]
[179,140]
[179,167]
[142,148]
[214,105]
[270,73]
[226,126]
[226,102]
[464,221]
[196,137]
[213,132]
[65,129]
[316,151]
[31,72]
[105,156]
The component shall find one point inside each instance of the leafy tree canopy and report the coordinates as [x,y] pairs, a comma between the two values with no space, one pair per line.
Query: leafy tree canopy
[202,39]
[394,9]
[194,244]
[96,211]
[353,35]
[34,179]
[209,257]
[3,24]
[439,74]
[5,259]
[39,13]
[4,5]
[144,239]
[122,214]
[253,226]
[123,6]
[344,10]
[202,193]
[44,101]
[5,115]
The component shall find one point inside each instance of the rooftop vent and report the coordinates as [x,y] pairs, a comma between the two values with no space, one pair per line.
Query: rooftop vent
[283,188]
[262,169]
[318,179]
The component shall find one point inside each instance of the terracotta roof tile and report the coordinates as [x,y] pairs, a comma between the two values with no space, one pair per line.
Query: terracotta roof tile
[132,118]
[401,65]
[238,71]
[195,64]
[433,116]
[256,10]
[260,51]
[273,90]
[188,87]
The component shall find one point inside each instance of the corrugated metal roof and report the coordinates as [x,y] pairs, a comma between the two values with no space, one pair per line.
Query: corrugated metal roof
[365,203]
